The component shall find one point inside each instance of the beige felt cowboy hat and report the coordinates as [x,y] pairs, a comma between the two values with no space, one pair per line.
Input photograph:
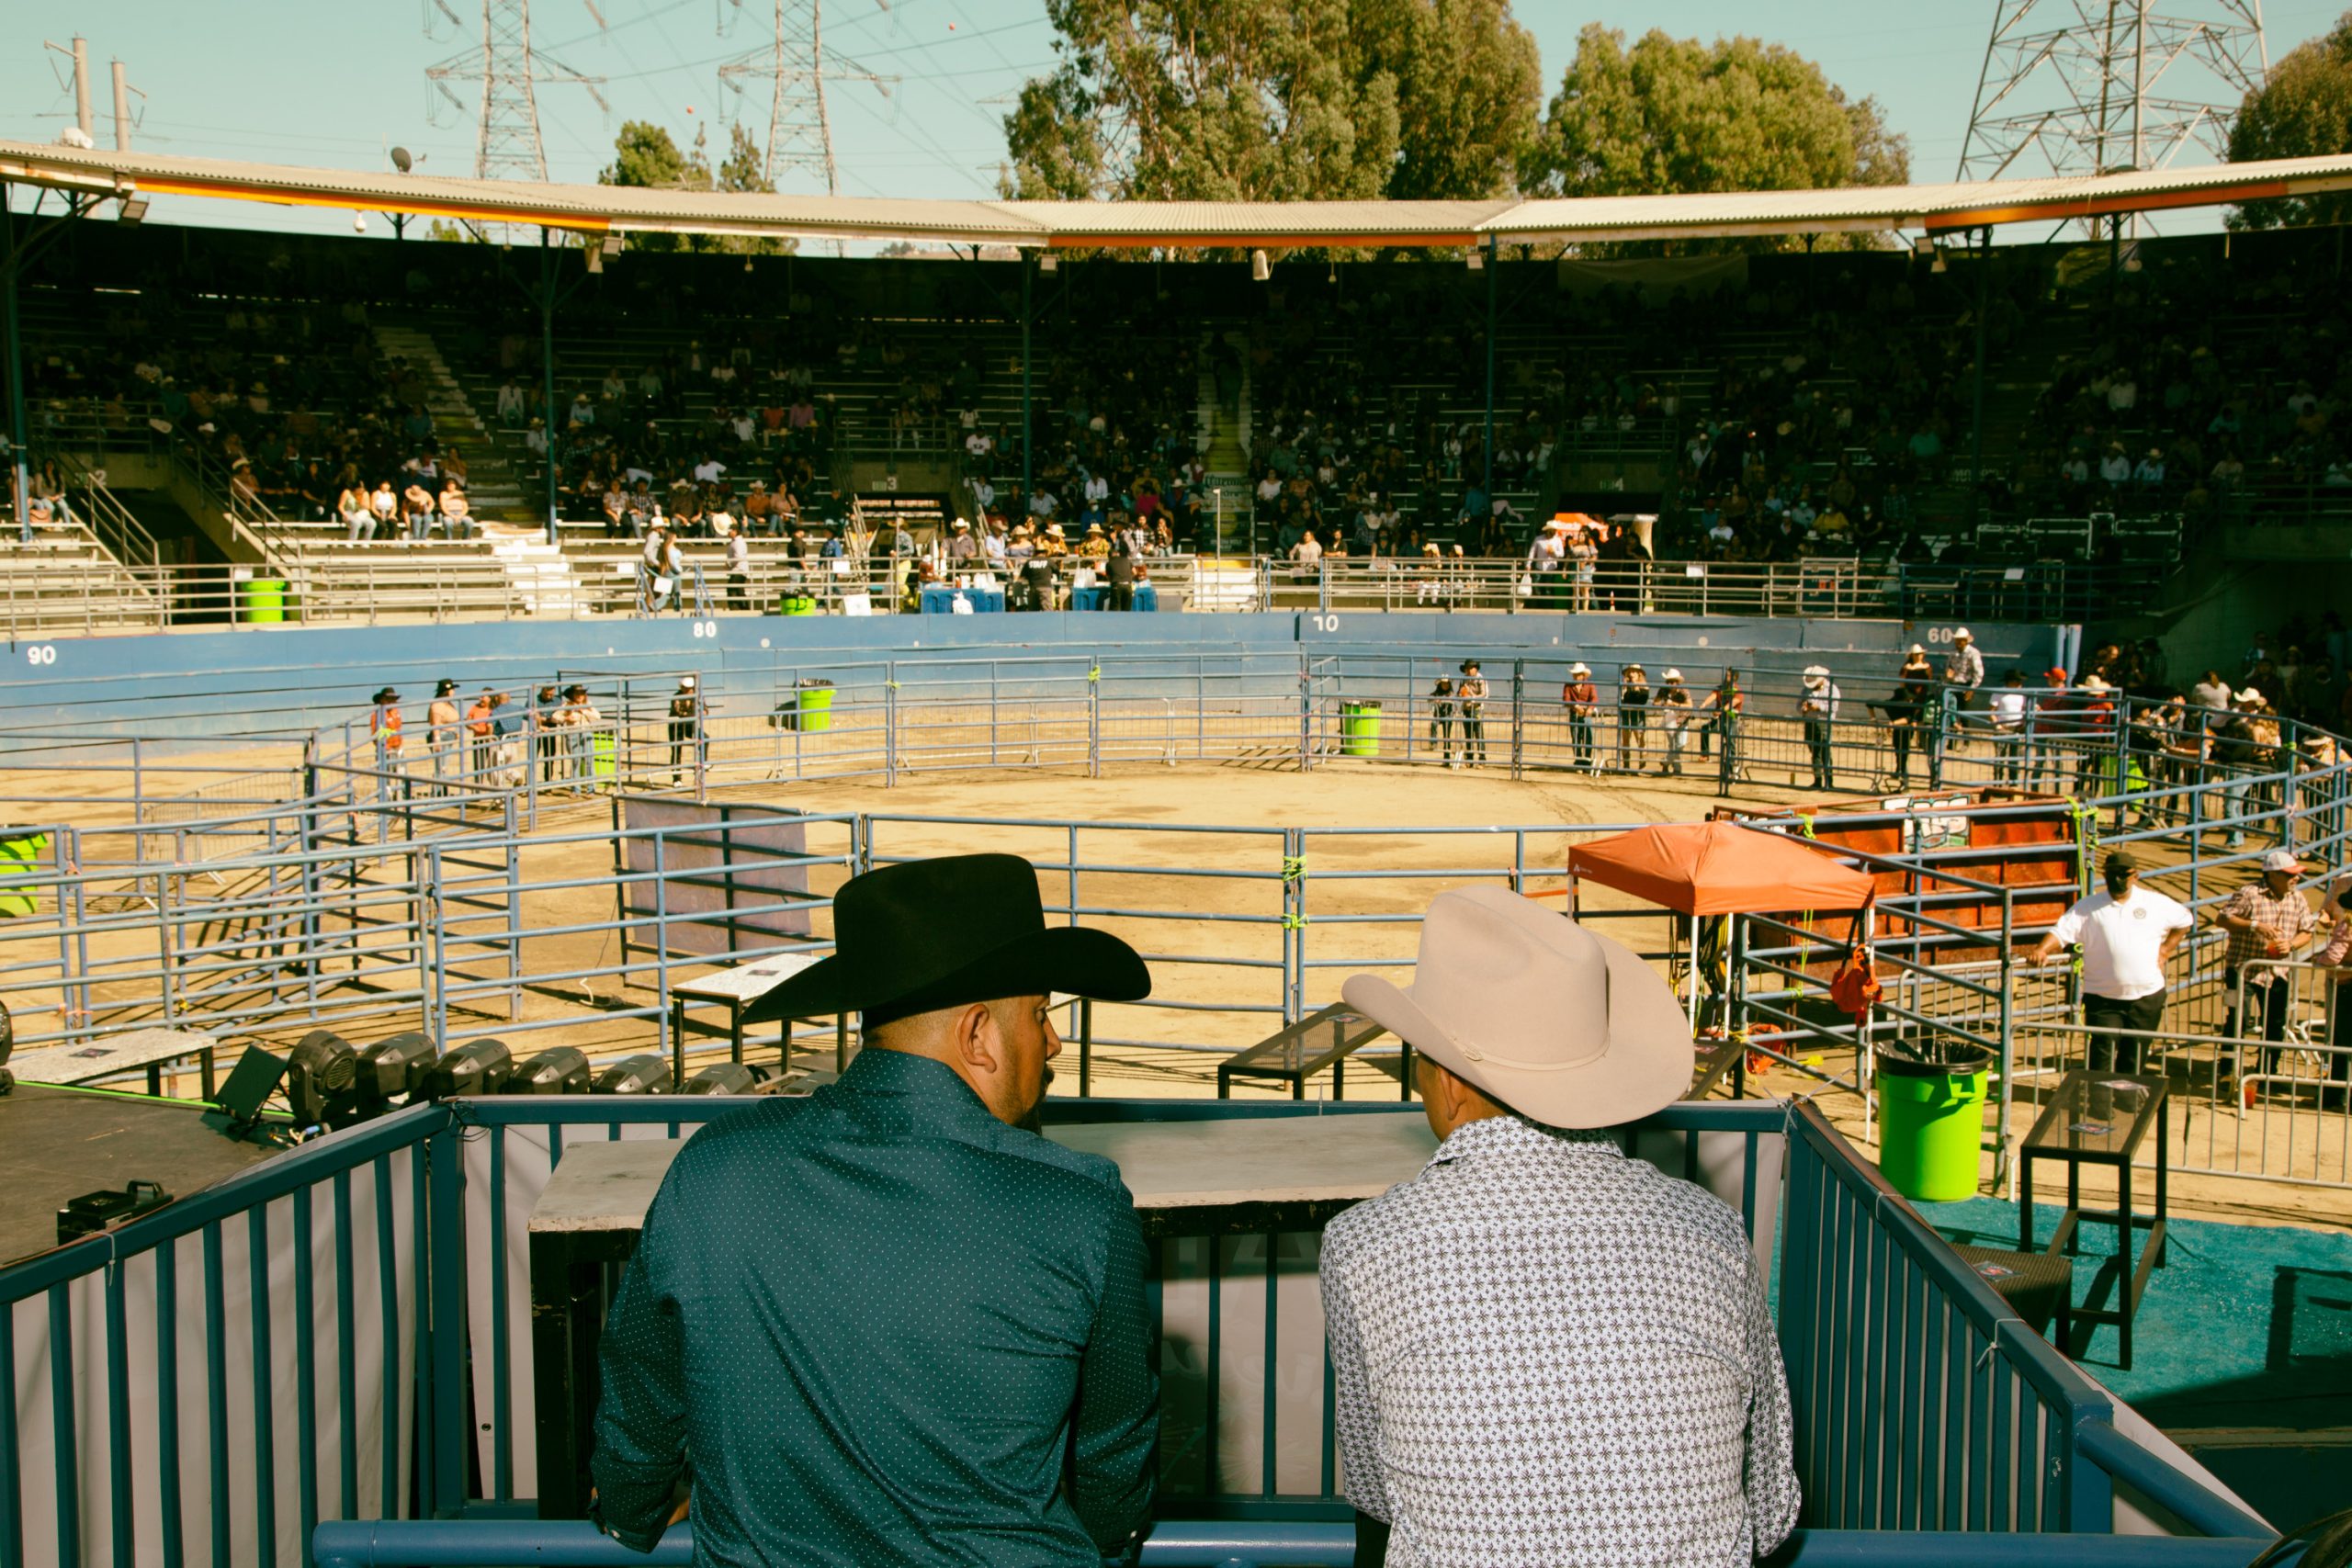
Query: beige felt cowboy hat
[1564,1027]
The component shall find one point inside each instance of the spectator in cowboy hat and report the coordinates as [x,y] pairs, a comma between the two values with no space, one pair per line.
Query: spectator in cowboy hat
[384,729]
[1502,1325]
[1818,707]
[1470,695]
[1582,699]
[940,1350]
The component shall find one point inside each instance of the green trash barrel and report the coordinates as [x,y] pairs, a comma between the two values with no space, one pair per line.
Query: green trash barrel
[815,707]
[799,604]
[603,761]
[261,599]
[1931,1116]
[1360,729]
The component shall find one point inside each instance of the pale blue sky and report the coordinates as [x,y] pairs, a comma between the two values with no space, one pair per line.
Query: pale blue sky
[334,81]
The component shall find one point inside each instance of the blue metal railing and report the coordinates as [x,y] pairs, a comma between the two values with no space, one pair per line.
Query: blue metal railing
[507,1544]
[348,1312]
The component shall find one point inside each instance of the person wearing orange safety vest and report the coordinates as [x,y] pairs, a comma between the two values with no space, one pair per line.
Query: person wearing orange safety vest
[384,729]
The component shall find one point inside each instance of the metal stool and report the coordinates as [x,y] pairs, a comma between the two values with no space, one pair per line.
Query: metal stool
[2039,1286]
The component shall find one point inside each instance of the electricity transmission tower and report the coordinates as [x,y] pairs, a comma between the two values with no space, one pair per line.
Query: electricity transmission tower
[2102,86]
[796,65]
[507,143]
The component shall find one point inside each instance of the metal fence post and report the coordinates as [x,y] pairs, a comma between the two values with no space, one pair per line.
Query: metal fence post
[1294,924]
[1094,718]
[889,724]
[445,1224]
[433,952]
[1518,715]
[1306,713]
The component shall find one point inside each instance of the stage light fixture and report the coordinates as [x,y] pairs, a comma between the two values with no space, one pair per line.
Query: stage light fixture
[322,1079]
[1476,259]
[722,1078]
[1258,268]
[1924,245]
[646,1074]
[392,1069]
[595,258]
[134,208]
[1050,262]
[477,1067]
[562,1069]
[1938,265]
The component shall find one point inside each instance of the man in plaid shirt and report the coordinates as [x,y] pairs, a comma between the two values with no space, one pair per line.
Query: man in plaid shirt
[2265,919]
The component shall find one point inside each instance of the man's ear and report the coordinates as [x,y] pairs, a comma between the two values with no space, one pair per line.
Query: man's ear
[980,1045]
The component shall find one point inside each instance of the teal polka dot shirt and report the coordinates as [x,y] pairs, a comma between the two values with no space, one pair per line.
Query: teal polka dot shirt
[882,1328]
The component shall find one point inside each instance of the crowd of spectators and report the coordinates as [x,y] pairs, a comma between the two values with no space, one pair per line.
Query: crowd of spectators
[2234,392]
[289,401]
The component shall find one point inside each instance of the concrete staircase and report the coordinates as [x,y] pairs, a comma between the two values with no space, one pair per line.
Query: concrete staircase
[1225,450]
[493,485]
[538,573]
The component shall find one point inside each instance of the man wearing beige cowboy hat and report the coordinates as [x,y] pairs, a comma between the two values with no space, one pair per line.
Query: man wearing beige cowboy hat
[1544,1350]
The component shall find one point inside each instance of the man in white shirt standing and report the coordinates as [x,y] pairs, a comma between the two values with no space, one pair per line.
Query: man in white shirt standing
[2128,934]
[2008,729]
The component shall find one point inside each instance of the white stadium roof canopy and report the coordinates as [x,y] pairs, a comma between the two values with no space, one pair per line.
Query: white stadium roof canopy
[1086,225]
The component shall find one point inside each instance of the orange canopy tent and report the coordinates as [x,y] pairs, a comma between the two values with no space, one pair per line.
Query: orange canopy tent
[1721,868]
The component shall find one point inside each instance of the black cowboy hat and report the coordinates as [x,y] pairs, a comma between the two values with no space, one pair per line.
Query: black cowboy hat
[899,949]
[386,695]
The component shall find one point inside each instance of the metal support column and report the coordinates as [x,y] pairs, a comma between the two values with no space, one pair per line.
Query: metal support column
[1976,416]
[1493,284]
[19,474]
[546,372]
[1028,271]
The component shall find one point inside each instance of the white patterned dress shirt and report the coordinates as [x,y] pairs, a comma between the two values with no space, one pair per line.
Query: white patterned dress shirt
[1548,1353]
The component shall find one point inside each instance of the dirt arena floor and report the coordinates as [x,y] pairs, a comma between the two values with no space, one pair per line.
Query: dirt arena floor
[1373,842]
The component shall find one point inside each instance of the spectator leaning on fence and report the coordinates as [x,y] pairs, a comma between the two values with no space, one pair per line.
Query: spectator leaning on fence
[2008,710]
[2268,920]
[384,730]
[1543,1350]
[2334,961]
[579,720]
[1674,719]
[2128,934]
[441,734]
[1633,717]
[1582,699]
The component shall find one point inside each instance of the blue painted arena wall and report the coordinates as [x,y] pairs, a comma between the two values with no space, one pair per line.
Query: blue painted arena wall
[289,680]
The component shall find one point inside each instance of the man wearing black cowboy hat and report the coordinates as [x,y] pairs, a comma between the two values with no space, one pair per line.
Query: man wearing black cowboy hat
[384,729]
[885,1324]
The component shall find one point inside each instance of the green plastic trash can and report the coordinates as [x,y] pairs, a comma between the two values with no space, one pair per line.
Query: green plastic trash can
[602,761]
[815,707]
[1360,729]
[1931,1116]
[798,604]
[261,599]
